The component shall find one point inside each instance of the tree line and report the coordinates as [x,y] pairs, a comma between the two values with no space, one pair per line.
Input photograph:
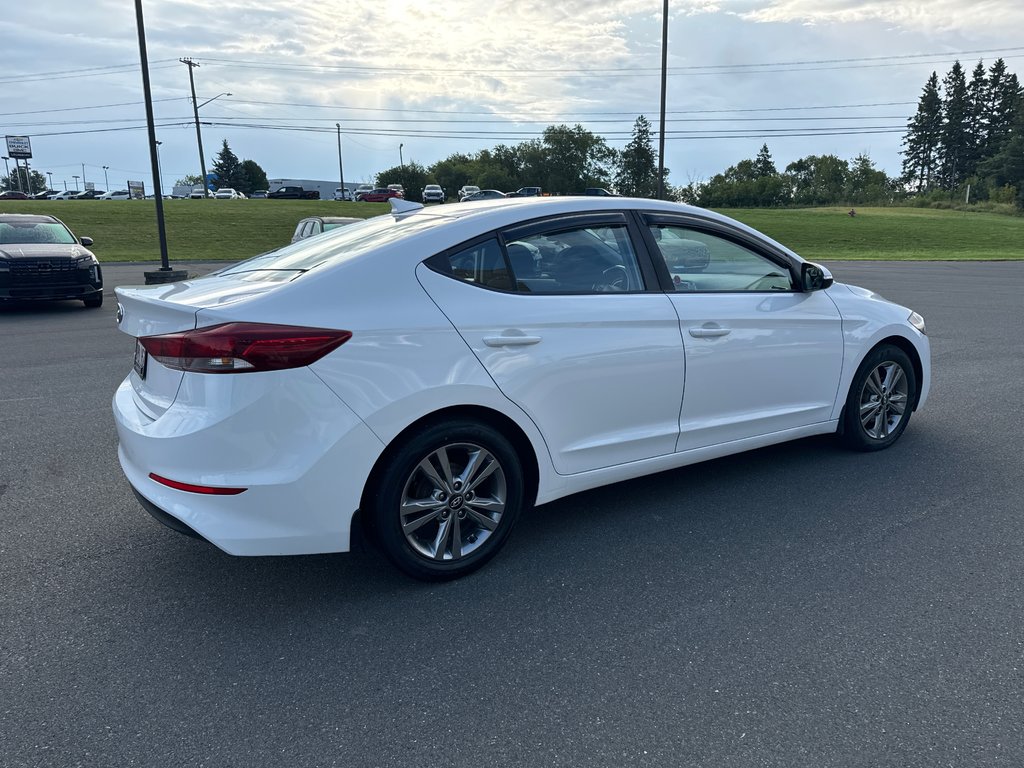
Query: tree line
[968,133]
[564,161]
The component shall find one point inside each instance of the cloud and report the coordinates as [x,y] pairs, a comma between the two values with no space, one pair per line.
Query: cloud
[920,15]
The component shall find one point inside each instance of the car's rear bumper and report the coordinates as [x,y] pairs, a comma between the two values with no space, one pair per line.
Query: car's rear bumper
[301,455]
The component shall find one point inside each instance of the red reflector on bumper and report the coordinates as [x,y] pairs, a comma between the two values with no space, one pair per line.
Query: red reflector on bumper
[207,489]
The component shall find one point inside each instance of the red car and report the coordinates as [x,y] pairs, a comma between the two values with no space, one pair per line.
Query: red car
[379,195]
[12,194]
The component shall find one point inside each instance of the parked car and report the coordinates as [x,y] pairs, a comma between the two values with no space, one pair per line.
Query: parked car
[397,188]
[317,225]
[88,194]
[199,192]
[226,193]
[44,195]
[379,195]
[342,194]
[40,258]
[67,194]
[432,193]
[258,194]
[361,190]
[120,194]
[525,192]
[598,192]
[466,190]
[483,194]
[13,194]
[439,374]
[294,193]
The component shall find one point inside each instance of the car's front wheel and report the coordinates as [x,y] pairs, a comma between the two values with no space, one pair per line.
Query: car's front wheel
[94,301]
[446,501]
[880,400]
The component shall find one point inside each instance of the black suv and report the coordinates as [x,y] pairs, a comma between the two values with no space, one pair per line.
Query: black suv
[41,259]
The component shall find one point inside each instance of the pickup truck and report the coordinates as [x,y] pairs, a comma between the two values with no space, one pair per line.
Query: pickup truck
[294,193]
[525,192]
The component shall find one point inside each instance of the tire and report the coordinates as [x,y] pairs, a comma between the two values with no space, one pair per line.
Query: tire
[93,302]
[880,400]
[454,519]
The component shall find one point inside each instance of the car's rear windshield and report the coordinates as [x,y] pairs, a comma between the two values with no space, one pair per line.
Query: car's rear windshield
[40,232]
[335,246]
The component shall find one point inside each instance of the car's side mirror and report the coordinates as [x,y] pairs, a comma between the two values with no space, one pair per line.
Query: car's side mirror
[814,277]
[86,241]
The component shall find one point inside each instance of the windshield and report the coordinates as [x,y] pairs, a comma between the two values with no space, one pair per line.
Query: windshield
[335,246]
[35,232]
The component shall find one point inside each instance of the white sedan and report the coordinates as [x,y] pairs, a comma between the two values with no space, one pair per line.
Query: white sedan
[440,369]
[226,193]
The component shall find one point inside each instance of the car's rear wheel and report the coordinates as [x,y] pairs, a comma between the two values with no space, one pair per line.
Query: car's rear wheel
[880,400]
[446,501]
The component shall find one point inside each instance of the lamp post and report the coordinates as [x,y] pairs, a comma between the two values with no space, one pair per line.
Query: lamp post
[341,170]
[7,172]
[50,176]
[401,162]
[83,175]
[195,111]
[664,83]
[106,181]
[76,178]
[160,171]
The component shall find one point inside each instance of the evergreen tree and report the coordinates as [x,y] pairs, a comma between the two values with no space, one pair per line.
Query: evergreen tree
[924,133]
[1002,95]
[227,168]
[956,146]
[763,164]
[977,115]
[637,172]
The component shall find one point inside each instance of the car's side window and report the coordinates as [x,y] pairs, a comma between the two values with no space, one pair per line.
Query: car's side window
[482,264]
[299,228]
[701,261]
[581,259]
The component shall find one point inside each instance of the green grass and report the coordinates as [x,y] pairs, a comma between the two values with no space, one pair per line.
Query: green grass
[125,230]
[235,229]
[821,234]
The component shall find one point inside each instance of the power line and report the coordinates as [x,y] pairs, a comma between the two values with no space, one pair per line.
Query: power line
[765,67]
[66,74]
[94,106]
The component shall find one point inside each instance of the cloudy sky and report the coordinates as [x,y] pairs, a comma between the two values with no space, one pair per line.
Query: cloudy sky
[805,76]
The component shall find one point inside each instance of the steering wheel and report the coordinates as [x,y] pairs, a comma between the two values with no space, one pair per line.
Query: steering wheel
[615,278]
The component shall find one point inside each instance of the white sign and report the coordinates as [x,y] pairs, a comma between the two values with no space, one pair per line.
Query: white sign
[137,189]
[19,147]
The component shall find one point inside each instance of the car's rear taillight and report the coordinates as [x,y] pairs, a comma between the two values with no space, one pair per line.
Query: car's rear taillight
[243,347]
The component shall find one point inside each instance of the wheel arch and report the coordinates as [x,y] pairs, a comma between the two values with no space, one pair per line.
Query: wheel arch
[906,346]
[495,419]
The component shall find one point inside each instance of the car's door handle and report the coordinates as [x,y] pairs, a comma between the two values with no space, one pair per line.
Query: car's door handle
[709,332]
[511,340]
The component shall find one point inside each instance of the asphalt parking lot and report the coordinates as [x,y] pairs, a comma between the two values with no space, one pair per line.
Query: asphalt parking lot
[795,606]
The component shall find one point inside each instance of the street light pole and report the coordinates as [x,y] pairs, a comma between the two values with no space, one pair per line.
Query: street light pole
[7,172]
[664,84]
[159,169]
[401,162]
[195,110]
[341,170]
[83,175]
[50,176]
[106,181]
[76,178]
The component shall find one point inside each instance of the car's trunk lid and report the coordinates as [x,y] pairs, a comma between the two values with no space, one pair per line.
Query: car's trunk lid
[159,309]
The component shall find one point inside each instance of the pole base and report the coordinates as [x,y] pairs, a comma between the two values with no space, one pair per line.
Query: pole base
[159,276]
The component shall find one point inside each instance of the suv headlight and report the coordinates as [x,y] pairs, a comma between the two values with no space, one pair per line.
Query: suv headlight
[918,322]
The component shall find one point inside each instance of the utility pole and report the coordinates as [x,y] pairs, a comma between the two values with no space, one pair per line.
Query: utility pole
[341,171]
[28,178]
[401,162]
[83,176]
[195,110]
[165,273]
[664,84]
